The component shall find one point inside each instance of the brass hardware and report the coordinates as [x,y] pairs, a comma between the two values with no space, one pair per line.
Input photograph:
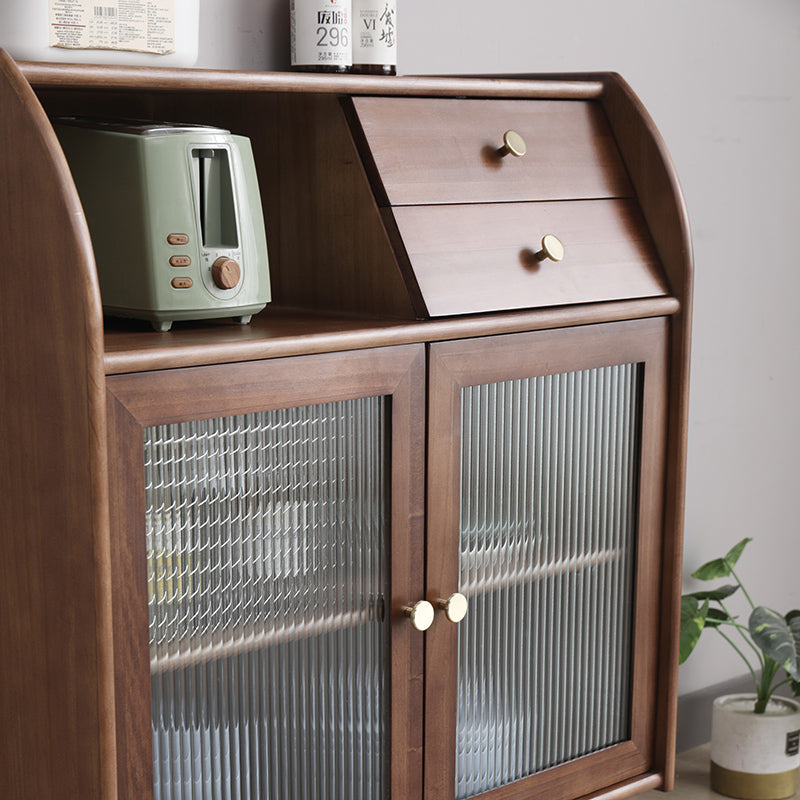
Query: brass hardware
[513,144]
[551,248]
[455,607]
[420,614]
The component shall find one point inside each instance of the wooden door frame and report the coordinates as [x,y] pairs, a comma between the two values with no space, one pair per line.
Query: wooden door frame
[454,365]
[136,401]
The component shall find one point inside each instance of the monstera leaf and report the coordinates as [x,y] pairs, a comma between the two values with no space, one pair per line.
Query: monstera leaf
[778,639]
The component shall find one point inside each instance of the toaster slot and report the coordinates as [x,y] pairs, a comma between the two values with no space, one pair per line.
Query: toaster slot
[211,169]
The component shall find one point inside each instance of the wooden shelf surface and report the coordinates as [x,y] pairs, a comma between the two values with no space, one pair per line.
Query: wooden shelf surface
[275,333]
[86,76]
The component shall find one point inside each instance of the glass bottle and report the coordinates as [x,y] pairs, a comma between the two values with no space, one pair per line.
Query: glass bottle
[320,33]
[375,36]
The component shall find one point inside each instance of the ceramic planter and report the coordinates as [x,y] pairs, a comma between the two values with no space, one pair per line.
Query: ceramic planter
[755,756]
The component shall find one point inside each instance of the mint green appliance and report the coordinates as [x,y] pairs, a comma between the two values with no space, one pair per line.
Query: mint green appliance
[175,217]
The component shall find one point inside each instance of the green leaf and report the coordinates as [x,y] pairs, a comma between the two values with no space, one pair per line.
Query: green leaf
[715,618]
[693,617]
[733,554]
[793,621]
[721,567]
[716,594]
[774,636]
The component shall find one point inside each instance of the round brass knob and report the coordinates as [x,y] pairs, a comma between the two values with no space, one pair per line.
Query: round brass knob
[513,144]
[551,248]
[455,607]
[226,273]
[420,614]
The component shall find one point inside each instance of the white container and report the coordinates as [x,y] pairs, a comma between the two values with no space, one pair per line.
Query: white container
[753,755]
[26,28]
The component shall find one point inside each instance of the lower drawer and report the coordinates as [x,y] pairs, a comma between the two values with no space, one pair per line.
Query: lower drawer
[481,257]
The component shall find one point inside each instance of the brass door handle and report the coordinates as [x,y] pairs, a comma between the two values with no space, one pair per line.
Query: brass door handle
[420,614]
[455,607]
[551,248]
[513,145]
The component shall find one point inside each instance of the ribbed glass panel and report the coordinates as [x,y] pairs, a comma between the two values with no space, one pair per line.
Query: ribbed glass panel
[548,523]
[267,576]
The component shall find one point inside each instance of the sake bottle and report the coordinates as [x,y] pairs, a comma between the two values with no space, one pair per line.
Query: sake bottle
[320,33]
[375,36]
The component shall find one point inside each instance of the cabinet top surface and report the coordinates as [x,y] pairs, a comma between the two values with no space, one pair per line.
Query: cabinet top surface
[47,75]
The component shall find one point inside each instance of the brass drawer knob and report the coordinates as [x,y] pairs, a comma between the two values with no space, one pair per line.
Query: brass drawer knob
[455,607]
[551,248]
[420,614]
[513,145]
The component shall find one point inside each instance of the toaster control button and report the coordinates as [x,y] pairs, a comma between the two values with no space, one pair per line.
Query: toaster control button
[178,238]
[180,261]
[181,283]
[226,273]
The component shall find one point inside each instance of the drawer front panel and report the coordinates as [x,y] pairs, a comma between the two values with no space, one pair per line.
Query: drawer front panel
[476,258]
[445,150]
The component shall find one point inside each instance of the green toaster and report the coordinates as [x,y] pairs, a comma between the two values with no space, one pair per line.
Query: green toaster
[174,213]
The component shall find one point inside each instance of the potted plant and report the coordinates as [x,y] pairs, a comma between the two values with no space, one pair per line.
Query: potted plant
[755,739]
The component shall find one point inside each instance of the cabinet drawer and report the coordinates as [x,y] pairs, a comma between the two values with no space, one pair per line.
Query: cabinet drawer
[481,257]
[444,150]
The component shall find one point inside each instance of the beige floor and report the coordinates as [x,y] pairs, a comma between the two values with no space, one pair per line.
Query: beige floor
[691,782]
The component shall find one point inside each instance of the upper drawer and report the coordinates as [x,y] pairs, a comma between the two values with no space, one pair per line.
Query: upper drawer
[441,150]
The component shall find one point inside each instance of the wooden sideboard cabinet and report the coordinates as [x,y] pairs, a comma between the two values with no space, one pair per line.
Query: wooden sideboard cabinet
[414,532]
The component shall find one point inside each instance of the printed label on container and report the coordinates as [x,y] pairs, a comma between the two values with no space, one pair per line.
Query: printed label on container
[320,33]
[143,26]
[374,34]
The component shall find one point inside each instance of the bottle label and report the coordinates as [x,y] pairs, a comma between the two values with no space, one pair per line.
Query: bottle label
[374,33]
[320,33]
[143,26]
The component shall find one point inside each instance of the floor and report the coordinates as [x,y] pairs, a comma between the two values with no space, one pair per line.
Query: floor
[691,782]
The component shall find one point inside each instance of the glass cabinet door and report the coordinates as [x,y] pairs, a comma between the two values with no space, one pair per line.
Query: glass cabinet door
[268,536]
[544,513]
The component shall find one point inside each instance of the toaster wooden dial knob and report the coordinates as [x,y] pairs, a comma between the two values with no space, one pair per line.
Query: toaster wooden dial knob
[226,273]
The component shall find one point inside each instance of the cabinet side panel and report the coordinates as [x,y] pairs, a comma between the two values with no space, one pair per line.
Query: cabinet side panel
[129,587]
[55,693]
[660,197]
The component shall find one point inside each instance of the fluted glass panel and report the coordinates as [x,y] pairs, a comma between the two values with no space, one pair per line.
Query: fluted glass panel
[548,523]
[266,546]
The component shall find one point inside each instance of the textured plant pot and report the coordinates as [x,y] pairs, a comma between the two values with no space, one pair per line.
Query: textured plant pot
[755,756]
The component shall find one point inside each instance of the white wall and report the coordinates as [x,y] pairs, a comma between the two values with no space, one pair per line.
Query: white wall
[721,79]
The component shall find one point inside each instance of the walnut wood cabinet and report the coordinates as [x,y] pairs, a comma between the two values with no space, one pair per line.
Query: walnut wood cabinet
[212,537]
